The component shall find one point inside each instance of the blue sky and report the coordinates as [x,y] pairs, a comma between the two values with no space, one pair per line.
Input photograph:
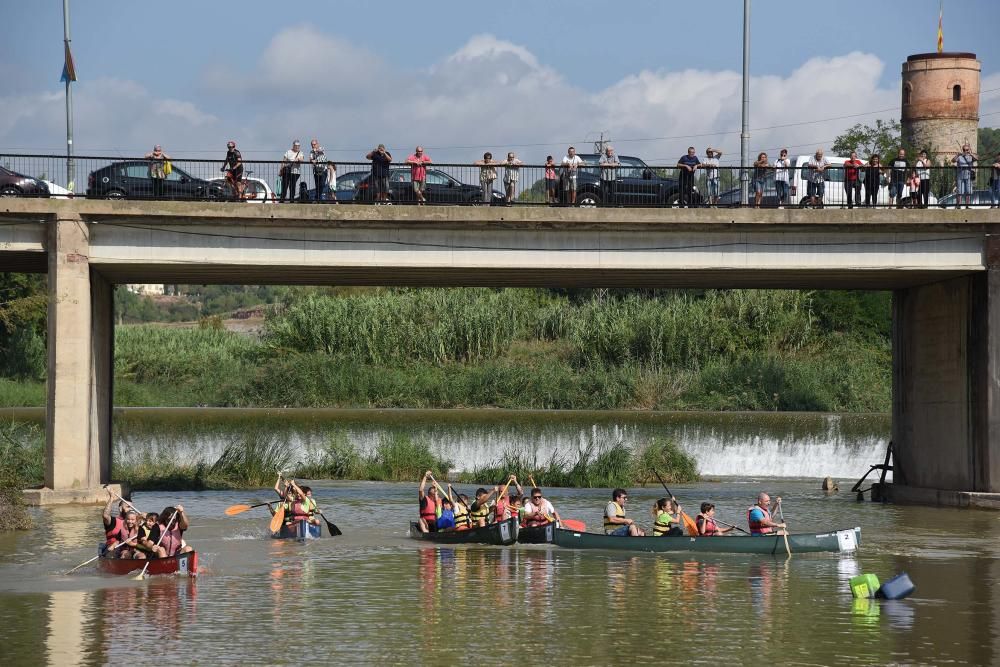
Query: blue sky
[462,76]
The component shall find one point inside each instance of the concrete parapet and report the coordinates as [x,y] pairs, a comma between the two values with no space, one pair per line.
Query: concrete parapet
[914,495]
[95,495]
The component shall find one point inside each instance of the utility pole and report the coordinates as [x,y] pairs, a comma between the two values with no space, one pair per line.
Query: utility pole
[745,133]
[69,75]
[600,144]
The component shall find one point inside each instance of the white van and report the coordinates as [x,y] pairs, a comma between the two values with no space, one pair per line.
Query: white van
[834,195]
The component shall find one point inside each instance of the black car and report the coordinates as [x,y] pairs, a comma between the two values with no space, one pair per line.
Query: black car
[635,184]
[13,184]
[441,188]
[130,180]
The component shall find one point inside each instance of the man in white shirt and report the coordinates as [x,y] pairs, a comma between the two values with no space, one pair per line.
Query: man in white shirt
[291,163]
[538,511]
[781,167]
[711,165]
[570,164]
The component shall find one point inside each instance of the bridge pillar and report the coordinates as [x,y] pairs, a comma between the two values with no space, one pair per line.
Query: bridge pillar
[78,402]
[946,390]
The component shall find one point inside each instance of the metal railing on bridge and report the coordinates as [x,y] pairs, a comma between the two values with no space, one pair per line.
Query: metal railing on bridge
[628,183]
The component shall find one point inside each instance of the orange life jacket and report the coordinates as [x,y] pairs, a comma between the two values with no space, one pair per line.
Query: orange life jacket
[756,527]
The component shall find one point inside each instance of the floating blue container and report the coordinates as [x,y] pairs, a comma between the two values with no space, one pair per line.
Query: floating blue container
[896,588]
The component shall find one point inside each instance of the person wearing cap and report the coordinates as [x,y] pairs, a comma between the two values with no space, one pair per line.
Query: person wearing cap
[965,162]
[233,166]
[290,170]
[157,169]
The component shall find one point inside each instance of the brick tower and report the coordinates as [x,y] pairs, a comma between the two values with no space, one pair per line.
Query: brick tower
[940,108]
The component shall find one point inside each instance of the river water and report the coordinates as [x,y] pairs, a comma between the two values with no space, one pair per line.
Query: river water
[373,596]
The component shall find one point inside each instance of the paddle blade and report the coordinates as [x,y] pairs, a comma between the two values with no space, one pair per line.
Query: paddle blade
[278,519]
[334,531]
[233,510]
[690,527]
[574,524]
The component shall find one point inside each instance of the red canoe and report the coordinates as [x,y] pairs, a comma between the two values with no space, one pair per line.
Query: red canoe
[183,564]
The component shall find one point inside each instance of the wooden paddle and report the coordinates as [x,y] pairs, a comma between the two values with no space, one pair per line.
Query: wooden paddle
[233,510]
[278,518]
[784,531]
[689,525]
[729,525]
[166,529]
[91,560]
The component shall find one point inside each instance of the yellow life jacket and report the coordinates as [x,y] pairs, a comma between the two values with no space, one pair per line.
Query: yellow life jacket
[480,512]
[462,519]
[664,522]
[619,513]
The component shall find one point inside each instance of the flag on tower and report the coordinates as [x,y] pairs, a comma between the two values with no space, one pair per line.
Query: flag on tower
[941,28]
[69,70]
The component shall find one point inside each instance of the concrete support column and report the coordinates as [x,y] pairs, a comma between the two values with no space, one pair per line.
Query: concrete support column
[946,390]
[80,358]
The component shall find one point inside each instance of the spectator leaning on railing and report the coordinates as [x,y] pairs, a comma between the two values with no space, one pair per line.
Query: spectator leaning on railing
[686,166]
[873,180]
[159,169]
[897,178]
[760,168]
[570,166]
[510,176]
[381,159]
[487,175]
[317,157]
[551,180]
[418,172]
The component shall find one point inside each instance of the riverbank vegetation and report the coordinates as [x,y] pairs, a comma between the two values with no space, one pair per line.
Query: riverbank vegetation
[21,461]
[520,348]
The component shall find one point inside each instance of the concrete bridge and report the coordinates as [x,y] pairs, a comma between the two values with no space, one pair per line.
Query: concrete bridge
[942,266]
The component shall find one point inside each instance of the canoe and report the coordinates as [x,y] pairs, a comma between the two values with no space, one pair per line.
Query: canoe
[536,534]
[301,531]
[180,564]
[502,533]
[837,540]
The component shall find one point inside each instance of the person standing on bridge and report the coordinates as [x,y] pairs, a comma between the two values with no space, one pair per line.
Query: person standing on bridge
[687,166]
[487,175]
[157,169]
[995,182]
[897,178]
[381,159]
[760,168]
[511,175]
[317,157]
[711,166]
[418,172]
[233,167]
[817,178]
[923,168]
[290,169]
[781,167]
[571,164]
[873,180]
[852,179]
[965,162]
[609,175]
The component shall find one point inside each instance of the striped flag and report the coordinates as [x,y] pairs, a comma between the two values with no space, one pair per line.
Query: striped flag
[941,28]
[69,69]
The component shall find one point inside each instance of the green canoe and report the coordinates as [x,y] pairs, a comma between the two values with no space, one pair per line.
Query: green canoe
[502,533]
[836,540]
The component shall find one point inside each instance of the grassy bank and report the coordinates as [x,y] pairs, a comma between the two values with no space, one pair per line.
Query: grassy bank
[733,350]
[21,466]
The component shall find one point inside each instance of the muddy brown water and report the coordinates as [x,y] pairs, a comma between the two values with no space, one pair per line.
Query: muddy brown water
[373,596]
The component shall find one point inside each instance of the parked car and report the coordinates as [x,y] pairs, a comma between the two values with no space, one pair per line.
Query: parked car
[56,190]
[255,190]
[346,185]
[980,199]
[13,184]
[130,180]
[442,188]
[834,194]
[636,185]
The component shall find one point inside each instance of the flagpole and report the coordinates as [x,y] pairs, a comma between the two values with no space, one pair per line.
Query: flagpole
[745,133]
[70,166]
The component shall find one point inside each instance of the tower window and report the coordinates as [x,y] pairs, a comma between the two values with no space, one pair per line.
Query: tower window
[907,92]
[956,94]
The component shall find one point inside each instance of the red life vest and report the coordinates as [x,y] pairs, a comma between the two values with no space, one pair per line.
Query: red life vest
[111,534]
[756,528]
[299,512]
[428,510]
[501,510]
[707,526]
[170,540]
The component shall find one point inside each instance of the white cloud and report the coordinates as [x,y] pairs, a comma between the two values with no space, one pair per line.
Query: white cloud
[488,94]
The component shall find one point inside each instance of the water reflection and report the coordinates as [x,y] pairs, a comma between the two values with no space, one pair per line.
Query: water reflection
[66,633]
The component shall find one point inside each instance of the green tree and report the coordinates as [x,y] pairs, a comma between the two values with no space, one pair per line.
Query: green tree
[23,317]
[882,138]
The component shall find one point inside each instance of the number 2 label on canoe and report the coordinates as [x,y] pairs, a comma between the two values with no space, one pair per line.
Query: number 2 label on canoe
[847,540]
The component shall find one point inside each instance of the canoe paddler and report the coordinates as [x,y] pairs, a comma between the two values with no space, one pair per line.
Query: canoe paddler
[666,518]
[429,504]
[615,521]
[479,511]
[113,524]
[300,507]
[706,522]
[759,515]
[538,511]
[461,502]
[447,519]
[502,509]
